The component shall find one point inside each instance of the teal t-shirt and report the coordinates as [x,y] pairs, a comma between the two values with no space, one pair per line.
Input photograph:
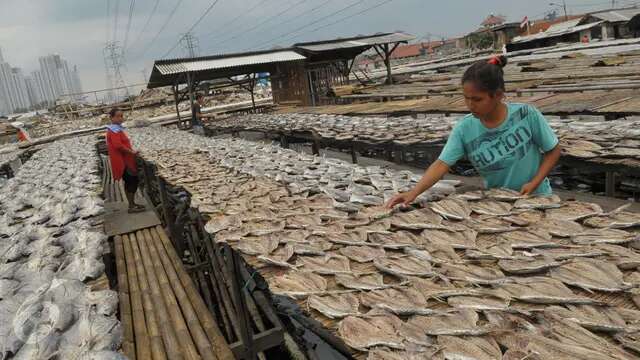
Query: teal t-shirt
[508,156]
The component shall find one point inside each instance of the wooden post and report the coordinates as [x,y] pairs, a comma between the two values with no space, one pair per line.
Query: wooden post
[177,100]
[610,184]
[315,147]
[191,96]
[387,62]
[176,236]
[354,154]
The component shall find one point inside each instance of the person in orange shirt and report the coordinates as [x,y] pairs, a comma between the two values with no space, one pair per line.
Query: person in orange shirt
[123,158]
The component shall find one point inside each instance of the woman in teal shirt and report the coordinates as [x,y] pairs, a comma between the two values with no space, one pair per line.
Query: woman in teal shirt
[511,145]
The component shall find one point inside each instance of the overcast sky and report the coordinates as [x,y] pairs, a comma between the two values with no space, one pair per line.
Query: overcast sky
[79,29]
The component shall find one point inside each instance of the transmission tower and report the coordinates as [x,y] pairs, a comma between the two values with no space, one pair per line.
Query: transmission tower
[114,61]
[190,44]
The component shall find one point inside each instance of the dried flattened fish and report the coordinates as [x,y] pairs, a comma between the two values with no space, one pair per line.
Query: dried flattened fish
[257,246]
[560,228]
[298,284]
[543,290]
[491,207]
[404,266]
[527,265]
[452,208]
[361,282]
[393,240]
[469,347]
[489,225]
[528,239]
[595,318]
[335,306]
[480,303]
[603,236]
[458,323]
[364,333]
[264,227]
[399,301]
[575,211]
[617,220]
[473,274]
[362,254]
[353,238]
[280,257]
[504,195]
[222,222]
[302,221]
[539,203]
[458,240]
[417,220]
[327,265]
[590,274]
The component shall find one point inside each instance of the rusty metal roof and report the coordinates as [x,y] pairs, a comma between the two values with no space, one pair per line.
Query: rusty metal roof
[356,42]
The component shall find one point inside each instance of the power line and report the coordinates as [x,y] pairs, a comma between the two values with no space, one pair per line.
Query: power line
[301,14]
[173,12]
[108,20]
[234,19]
[126,34]
[259,24]
[314,22]
[115,26]
[344,18]
[192,26]
[146,24]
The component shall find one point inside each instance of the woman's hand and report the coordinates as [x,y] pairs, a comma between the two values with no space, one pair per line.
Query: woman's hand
[404,199]
[528,188]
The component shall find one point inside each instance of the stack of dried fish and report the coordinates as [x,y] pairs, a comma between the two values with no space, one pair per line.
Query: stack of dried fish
[580,138]
[49,245]
[482,275]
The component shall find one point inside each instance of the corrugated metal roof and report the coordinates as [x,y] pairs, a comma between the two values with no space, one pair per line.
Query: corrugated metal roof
[565,25]
[356,42]
[621,15]
[223,62]
[557,32]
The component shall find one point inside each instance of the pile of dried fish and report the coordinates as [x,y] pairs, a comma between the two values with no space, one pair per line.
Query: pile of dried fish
[483,275]
[49,245]
[579,138]
[350,186]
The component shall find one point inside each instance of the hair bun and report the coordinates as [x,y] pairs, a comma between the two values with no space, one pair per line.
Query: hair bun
[499,60]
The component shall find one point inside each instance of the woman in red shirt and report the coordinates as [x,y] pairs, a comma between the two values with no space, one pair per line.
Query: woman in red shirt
[123,158]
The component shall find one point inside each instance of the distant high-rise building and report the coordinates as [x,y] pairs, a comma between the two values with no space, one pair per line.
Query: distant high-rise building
[43,87]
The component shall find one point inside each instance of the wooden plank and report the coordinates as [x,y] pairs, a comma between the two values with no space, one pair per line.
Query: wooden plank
[193,322]
[150,310]
[143,348]
[177,320]
[169,336]
[128,341]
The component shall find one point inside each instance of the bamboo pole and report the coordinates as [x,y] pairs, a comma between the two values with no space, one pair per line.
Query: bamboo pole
[200,338]
[157,346]
[207,320]
[128,344]
[177,320]
[143,350]
[172,346]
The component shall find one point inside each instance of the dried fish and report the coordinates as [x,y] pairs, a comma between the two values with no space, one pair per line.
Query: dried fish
[298,284]
[478,303]
[280,257]
[327,265]
[458,240]
[539,203]
[603,236]
[364,333]
[618,220]
[257,246]
[504,195]
[404,266]
[473,274]
[560,228]
[361,282]
[595,318]
[462,322]
[399,301]
[362,254]
[393,240]
[489,225]
[493,208]
[335,305]
[528,239]
[222,222]
[417,220]
[575,211]
[525,265]
[465,347]
[263,227]
[543,290]
[590,274]
[452,208]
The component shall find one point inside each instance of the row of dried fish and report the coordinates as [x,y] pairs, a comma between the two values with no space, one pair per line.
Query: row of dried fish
[49,245]
[480,275]
[580,138]
[350,186]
